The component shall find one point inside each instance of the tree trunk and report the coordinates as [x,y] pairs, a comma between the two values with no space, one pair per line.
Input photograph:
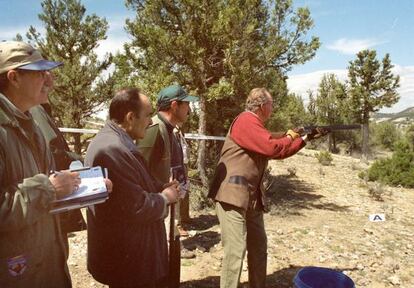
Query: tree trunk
[77,143]
[77,136]
[330,143]
[201,156]
[365,140]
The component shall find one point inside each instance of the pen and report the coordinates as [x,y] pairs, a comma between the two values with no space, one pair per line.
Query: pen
[55,173]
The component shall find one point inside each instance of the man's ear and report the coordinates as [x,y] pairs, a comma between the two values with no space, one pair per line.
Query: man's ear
[13,78]
[129,117]
[174,104]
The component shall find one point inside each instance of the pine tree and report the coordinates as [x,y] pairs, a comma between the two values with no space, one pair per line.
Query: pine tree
[372,87]
[291,112]
[71,37]
[330,105]
[219,50]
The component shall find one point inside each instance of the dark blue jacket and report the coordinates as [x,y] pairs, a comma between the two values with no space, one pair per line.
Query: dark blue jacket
[127,243]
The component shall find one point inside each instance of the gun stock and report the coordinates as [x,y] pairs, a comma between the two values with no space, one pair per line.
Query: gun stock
[174,253]
[330,128]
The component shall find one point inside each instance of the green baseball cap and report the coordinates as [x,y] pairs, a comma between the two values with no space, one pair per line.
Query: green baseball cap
[174,93]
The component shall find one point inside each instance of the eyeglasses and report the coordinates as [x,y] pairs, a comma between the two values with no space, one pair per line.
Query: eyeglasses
[273,104]
[43,73]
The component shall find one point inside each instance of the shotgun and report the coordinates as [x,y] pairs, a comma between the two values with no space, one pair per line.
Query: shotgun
[330,128]
[174,259]
[174,253]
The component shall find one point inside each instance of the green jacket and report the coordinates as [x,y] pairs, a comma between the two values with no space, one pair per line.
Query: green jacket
[31,247]
[54,138]
[158,156]
[70,221]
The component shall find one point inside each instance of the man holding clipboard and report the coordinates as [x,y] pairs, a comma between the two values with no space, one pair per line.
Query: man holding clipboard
[31,252]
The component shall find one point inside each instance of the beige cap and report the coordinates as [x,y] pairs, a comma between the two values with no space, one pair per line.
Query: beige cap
[15,54]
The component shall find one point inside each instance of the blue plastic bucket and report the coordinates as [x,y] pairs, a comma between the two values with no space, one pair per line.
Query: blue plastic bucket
[318,277]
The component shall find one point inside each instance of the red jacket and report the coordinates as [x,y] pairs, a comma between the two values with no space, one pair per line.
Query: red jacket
[243,160]
[249,133]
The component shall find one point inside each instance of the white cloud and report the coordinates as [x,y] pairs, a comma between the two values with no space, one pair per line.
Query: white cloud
[116,37]
[116,23]
[112,45]
[406,89]
[301,83]
[10,32]
[353,46]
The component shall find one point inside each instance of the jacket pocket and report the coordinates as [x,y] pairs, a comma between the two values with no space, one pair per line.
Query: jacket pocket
[21,269]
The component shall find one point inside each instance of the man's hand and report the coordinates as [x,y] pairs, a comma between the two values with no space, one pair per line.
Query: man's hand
[292,134]
[108,184]
[299,130]
[171,191]
[171,183]
[317,133]
[65,182]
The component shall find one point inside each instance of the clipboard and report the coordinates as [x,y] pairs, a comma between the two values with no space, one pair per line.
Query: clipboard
[92,190]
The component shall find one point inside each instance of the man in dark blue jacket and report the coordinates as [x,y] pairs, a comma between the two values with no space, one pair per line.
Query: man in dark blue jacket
[127,245]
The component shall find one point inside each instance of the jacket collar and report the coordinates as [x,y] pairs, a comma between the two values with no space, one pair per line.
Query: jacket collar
[170,127]
[124,137]
[9,112]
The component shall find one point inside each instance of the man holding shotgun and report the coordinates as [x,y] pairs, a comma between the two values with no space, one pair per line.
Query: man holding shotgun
[238,190]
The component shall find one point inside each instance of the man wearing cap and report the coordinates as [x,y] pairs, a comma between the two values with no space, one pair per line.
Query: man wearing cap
[161,147]
[31,252]
[72,220]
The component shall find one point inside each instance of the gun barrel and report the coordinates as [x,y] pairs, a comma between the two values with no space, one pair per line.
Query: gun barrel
[330,128]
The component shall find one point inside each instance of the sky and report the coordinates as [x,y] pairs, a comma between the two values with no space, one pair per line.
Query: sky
[344,27]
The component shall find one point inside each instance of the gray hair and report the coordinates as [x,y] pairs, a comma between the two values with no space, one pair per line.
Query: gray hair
[257,97]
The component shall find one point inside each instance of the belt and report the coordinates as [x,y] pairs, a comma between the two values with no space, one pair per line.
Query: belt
[241,180]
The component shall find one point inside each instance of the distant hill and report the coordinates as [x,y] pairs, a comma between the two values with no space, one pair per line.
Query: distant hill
[407,115]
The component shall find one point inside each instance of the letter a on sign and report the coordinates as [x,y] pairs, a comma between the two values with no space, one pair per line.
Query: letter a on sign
[377,217]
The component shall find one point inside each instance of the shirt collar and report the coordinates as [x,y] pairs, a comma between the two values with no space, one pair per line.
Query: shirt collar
[254,114]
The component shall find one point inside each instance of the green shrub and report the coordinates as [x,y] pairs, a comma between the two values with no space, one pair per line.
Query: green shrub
[363,175]
[324,157]
[385,134]
[198,197]
[409,134]
[397,170]
[198,193]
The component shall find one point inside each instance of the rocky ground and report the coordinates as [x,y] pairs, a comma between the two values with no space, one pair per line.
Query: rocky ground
[319,216]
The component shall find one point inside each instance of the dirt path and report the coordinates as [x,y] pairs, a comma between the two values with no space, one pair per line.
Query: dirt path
[318,217]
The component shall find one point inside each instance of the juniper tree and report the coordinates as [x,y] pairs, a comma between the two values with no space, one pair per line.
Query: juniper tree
[330,105]
[71,37]
[219,50]
[372,87]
